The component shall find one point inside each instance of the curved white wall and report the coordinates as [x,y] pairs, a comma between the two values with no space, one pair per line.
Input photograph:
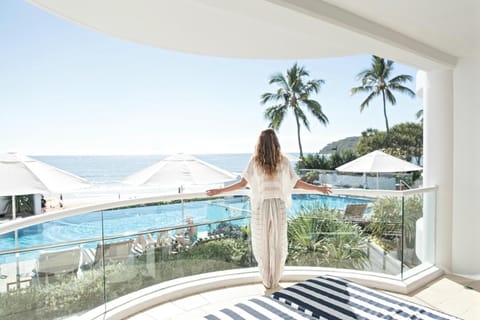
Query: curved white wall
[436,87]
[452,157]
[466,153]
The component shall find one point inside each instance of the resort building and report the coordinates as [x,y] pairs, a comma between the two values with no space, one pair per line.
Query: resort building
[440,38]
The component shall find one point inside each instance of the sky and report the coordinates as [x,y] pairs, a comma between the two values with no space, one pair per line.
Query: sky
[68,90]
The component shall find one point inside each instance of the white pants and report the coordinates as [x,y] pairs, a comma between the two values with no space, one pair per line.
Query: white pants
[269,240]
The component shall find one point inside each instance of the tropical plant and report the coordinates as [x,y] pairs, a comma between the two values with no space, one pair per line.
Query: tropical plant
[371,140]
[229,230]
[406,141]
[319,237]
[386,220]
[235,251]
[314,161]
[310,176]
[67,295]
[294,91]
[320,161]
[335,160]
[377,81]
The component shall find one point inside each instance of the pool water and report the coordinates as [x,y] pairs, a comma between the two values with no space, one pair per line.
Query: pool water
[144,218]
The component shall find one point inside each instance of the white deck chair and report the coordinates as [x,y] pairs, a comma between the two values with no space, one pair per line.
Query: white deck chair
[355,213]
[113,252]
[57,262]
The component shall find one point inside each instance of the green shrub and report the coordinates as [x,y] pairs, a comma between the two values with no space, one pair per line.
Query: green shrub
[387,219]
[229,250]
[66,295]
[319,237]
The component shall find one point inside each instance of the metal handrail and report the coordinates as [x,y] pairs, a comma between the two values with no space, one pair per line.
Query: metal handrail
[21,223]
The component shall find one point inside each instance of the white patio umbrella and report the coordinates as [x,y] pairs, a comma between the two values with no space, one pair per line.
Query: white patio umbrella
[180,171]
[21,175]
[376,162]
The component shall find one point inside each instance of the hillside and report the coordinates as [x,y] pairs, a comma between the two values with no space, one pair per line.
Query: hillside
[340,145]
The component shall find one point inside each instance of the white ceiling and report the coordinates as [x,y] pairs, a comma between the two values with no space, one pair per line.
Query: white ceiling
[452,26]
[426,34]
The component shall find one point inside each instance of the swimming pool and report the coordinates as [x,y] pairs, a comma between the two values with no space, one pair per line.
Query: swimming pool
[144,218]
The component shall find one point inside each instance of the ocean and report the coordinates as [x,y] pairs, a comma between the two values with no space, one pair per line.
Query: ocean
[105,173]
[108,170]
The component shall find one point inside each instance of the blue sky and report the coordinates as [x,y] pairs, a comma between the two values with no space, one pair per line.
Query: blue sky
[67,90]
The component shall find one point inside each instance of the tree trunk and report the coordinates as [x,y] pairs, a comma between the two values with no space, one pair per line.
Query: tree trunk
[385,112]
[298,136]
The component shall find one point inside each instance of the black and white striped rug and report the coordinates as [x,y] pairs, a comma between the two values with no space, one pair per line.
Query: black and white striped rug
[330,298]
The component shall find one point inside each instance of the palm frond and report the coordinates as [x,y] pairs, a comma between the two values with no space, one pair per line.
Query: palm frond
[273,97]
[303,118]
[316,110]
[301,71]
[401,79]
[387,69]
[419,115]
[363,74]
[378,65]
[361,89]
[390,97]
[367,101]
[264,98]
[279,79]
[275,114]
[402,89]
[313,86]
[370,80]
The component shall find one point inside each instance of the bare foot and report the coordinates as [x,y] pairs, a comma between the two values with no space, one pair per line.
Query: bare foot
[272,290]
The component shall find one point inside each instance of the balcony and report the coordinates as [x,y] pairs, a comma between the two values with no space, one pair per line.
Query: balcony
[119,258]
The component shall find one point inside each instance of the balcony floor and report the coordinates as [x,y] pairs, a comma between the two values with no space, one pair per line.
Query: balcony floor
[447,293]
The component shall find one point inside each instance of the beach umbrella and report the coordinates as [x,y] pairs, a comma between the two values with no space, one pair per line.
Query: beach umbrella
[21,175]
[378,162]
[179,171]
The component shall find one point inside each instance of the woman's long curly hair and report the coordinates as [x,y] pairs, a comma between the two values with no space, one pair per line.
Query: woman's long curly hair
[267,152]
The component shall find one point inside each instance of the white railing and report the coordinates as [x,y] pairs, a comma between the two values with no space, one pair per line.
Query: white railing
[20,223]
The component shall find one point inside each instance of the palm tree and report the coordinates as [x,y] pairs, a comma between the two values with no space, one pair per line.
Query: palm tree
[376,81]
[294,92]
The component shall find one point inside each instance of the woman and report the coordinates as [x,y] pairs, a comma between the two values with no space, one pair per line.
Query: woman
[271,179]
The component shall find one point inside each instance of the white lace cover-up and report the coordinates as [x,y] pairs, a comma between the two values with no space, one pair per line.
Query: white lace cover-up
[270,196]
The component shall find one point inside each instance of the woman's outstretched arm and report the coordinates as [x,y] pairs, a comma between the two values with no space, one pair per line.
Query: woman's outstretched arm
[240,184]
[307,186]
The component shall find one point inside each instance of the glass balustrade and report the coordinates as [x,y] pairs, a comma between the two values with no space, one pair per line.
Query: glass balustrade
[86,260]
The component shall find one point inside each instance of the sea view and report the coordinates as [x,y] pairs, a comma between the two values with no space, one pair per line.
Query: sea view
[110,170]
[106,173]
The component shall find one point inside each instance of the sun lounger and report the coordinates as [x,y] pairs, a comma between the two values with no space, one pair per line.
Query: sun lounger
[355,212]
[207,238]
[56,263]
[112,252]
[141,244]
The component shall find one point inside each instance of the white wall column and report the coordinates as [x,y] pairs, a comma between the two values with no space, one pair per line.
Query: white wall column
[466,193]
[437,90]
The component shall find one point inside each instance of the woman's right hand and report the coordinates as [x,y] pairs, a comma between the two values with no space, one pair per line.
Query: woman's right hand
[325,189]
